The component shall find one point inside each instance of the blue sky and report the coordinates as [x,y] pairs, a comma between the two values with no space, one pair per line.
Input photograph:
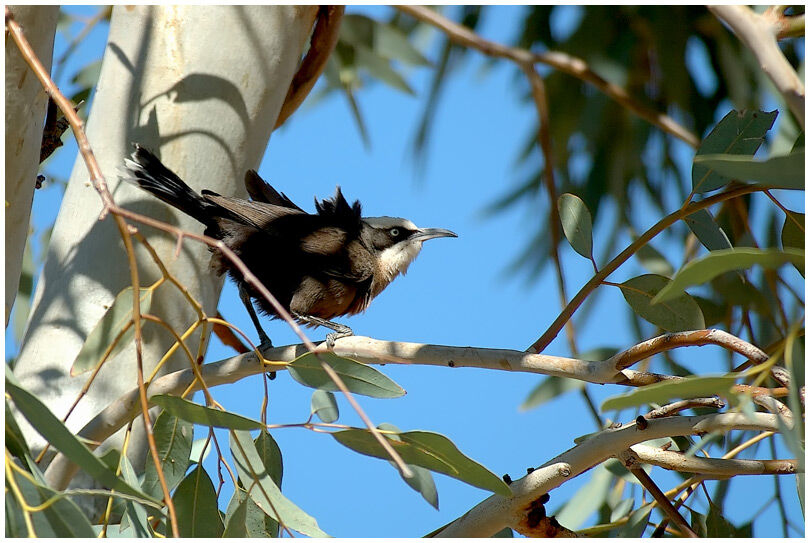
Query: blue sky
[457,293]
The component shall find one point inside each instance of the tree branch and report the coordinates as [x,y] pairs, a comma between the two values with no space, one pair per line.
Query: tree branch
[497,512]
[759,33]
[565,63]
[714,467]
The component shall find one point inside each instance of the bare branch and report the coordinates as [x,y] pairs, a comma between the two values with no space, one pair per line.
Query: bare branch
[565,63]
[677,407]
[759,33]
[713,467]
[497,512]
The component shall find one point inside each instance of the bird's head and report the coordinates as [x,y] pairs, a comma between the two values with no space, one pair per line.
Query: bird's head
[396,242]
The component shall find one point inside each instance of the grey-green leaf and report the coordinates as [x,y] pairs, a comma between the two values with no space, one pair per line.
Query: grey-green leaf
[173,440]
[359,378]
[662,393]
[200,414]
[196,505]
[548,389]
[245,519]
[678,314]
[421,479]
[62,439]
[793,231]
[261,488]
[738,133]
[576,223]
[706,268]
[135,516]
[117,316]
[324,406]
[707,231]
[654,261]
[779,172]
[429,450]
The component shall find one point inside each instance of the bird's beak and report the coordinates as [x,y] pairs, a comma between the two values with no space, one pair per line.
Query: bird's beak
[424,234]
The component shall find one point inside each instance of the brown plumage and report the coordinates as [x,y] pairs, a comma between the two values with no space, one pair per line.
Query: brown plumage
[318,266]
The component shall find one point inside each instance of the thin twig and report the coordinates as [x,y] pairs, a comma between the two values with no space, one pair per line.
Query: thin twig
[552,331]
[565,63]
[683,405]
[630,460]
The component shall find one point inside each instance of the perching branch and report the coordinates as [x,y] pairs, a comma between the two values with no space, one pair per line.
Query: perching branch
[565,63]
[369,351]
[497,512]
[718,468]
[759,33]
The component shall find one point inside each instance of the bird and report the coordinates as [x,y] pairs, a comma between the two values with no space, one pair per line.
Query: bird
[319,266]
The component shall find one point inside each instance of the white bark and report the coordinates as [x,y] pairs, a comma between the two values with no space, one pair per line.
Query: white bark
[203,86]
[26,103]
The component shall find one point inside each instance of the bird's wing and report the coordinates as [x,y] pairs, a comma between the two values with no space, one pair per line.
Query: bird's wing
[261,191]
[259,214]
[357,267]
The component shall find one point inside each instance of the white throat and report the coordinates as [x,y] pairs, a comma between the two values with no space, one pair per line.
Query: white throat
[395,260]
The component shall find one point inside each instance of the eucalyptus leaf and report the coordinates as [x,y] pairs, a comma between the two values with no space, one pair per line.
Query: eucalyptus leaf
[61,438]
[793,231]
[707,231]
[548,389]
[261,488]
[704,269]
[738,133]
[359,378]
[117,316]
[200,414]
[780,172]
[421,479]
[429,450]
[654,261]
[576,223]
[195,502]
[324,406]
[173,440]
[678,314]
[661,393]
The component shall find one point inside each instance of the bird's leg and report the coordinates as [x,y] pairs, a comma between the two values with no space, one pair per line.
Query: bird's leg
[265,342]
[340,330]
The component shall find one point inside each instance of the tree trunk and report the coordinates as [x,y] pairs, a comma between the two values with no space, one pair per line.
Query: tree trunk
[26,102]
[202,87]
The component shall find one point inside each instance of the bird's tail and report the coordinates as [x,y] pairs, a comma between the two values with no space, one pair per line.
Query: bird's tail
[147,172]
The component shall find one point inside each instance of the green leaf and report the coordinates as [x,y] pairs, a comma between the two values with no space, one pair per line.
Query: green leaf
[698,523]
[117,316]
[661,393]
[196,505]
[576,223]
[621,509]
[173,440]
[654,261]
[61,438]
[548,389]
[678,314]
[135,516]
[716,525]
[200,414]
[779,172]
[359,378]
[793,231]
[380,68]
[197,450]
[588,499]
[738,133]
[387,40]
[421,479]
[707,231]
[62,518]
[245,519]
[704,269]
[637,522]
[261,488]
[429,450]
[324,405]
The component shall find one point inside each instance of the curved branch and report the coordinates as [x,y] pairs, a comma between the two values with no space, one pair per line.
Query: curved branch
[565,63]
[667,342]
[759,33]
[324,39]
[497,512]
[369,351]
[712,467]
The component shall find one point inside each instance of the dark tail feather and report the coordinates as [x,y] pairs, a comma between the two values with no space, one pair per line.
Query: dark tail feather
[147,171]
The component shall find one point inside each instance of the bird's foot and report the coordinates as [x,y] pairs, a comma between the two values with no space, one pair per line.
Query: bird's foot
[345,331]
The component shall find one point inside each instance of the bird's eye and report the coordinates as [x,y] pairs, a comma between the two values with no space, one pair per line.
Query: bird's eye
[394,232]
